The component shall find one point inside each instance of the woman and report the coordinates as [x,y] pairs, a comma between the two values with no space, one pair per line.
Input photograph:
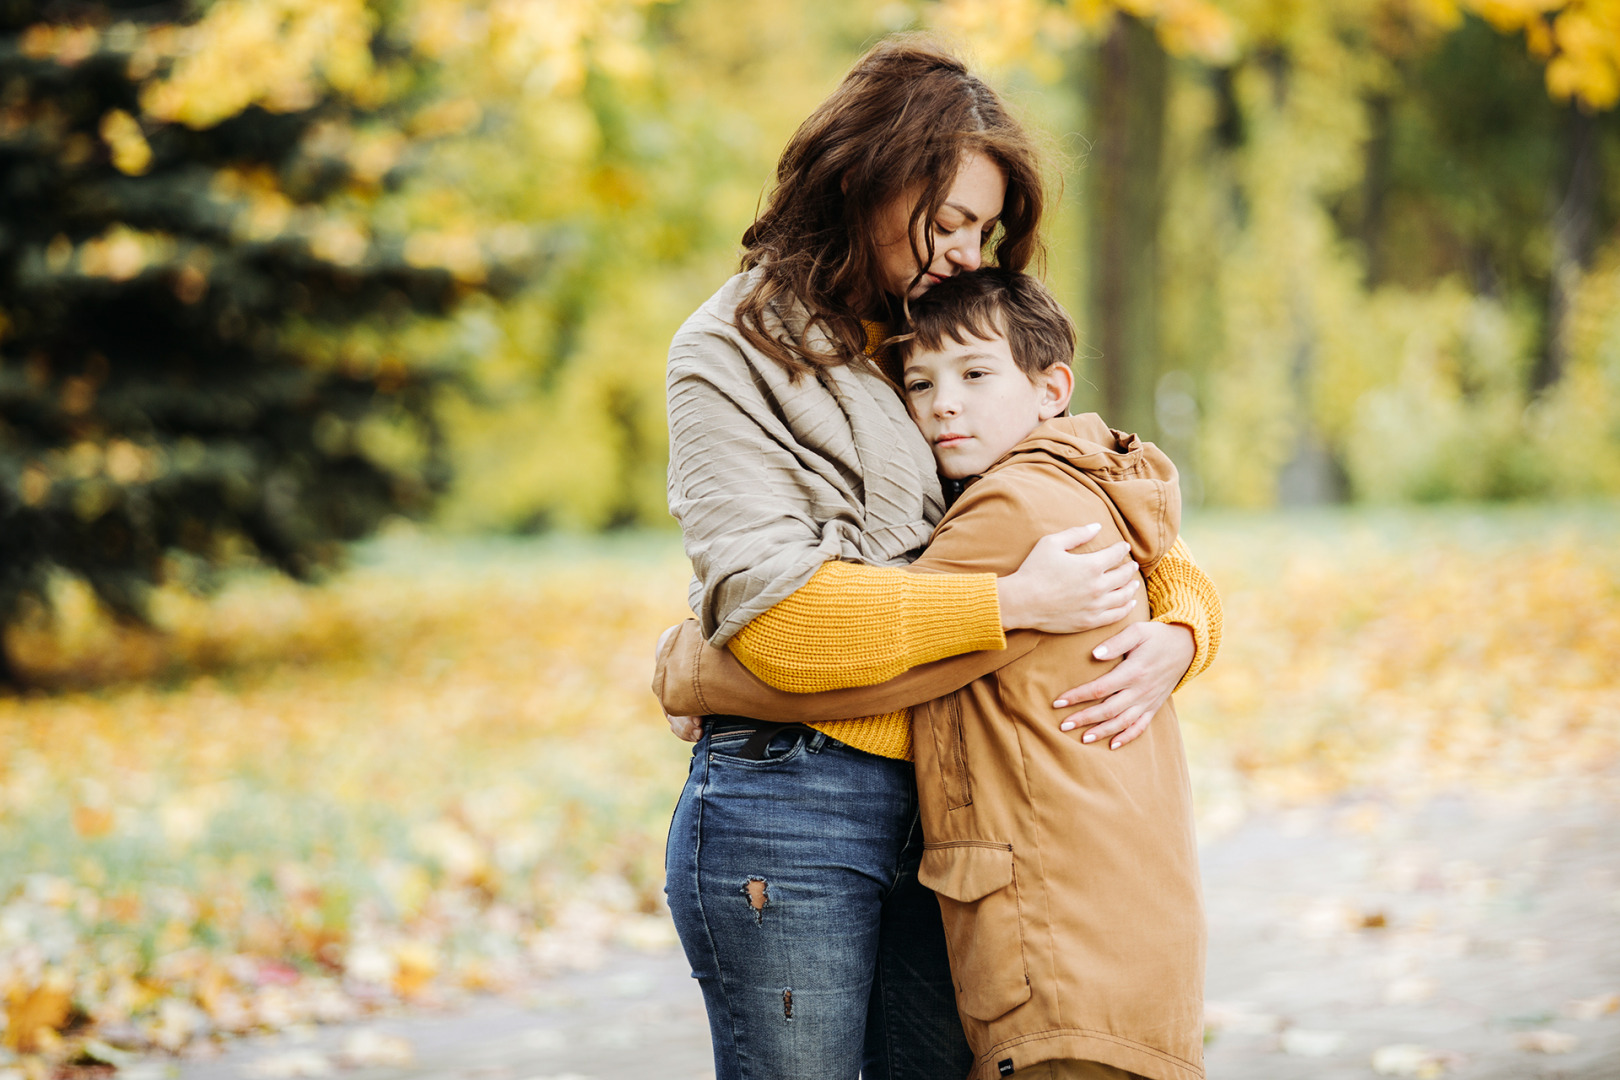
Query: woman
[802,490]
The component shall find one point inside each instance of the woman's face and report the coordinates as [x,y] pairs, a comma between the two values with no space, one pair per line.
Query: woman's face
[964,222]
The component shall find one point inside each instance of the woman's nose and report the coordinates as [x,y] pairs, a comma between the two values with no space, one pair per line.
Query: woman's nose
[967,253]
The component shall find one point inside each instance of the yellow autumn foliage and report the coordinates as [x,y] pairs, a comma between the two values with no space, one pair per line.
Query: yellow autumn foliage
[443,772]
[122,133]
[277,54]
[1409,653]
[1579,40]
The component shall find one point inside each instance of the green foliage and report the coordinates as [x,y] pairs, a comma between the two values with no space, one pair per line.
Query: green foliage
[649,178]
[1360,284]
[1361,267]
[202,314]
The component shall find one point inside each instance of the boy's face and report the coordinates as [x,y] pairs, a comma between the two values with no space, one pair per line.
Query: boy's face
[973,403]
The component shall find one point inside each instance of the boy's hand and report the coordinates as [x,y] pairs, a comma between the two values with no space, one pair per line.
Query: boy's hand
[1156,656]
[686,728]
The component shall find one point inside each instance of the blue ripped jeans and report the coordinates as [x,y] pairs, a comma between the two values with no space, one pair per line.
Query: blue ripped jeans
[793,883]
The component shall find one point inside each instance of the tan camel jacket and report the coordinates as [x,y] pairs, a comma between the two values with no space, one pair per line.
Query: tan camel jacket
[1067,873]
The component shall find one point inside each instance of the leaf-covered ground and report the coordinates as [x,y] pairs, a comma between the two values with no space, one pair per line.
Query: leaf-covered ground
[442,773]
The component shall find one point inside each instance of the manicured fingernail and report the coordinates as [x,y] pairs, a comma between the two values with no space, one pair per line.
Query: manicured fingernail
[1115,745]
[1100,652]
[1067,725]
[1089,737]
[1060,703]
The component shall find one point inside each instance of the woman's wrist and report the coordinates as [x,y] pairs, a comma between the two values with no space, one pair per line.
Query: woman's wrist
[1188,640]
[1013,602]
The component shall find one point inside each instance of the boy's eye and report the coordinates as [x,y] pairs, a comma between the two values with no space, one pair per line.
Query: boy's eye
[916,387]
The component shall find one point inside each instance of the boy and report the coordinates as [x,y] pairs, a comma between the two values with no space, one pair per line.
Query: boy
[1067,875]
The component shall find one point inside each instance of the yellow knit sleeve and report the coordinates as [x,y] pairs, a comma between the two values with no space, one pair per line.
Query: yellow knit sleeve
[1180,592]
[856,625]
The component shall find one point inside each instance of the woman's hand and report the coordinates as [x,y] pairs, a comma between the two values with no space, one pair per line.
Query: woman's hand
[1156,656]
[1062,593]
[686,728]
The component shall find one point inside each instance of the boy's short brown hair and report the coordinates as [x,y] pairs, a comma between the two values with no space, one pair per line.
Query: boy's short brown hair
[992,302]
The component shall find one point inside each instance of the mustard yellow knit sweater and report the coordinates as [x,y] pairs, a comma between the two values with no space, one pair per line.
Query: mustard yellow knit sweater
[855,625]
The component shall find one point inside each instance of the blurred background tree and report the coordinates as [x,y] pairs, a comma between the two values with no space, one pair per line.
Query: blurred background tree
[1322,252]
[276,269]
[1353,250]
[186,206]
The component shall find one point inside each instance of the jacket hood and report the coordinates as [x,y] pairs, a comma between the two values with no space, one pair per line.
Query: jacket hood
[1137,478]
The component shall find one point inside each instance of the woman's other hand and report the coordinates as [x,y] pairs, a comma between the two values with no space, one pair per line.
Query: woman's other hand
[686,728]
[1062,593]
[1155,657]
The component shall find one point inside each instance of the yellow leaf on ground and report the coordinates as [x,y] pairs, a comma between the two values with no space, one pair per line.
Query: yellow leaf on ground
[35,1013]
[417,963]
[92,821]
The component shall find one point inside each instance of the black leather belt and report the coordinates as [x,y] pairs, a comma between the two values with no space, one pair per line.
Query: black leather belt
[760,733]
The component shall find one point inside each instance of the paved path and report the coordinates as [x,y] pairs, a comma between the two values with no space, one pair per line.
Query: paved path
[639,1016]
[1448,940]
[1461,931]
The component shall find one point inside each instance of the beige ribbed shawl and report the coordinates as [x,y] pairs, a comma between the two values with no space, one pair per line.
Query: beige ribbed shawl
[769,478]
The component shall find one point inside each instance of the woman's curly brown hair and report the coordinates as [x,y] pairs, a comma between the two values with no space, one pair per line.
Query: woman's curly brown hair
[902,121]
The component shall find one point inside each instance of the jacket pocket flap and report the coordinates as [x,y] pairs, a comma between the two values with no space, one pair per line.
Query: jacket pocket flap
[966,872]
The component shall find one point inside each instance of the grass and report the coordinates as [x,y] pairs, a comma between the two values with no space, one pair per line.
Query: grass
[442,771]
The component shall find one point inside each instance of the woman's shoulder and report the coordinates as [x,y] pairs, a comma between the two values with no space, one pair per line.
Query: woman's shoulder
[710,344]
[718,314]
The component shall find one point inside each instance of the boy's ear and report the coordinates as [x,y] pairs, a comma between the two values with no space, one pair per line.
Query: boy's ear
[1057,386]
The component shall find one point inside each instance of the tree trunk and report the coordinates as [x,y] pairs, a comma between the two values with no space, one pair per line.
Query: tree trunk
[1127,202]
[1374,186]
[1573,228]
[11,680]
